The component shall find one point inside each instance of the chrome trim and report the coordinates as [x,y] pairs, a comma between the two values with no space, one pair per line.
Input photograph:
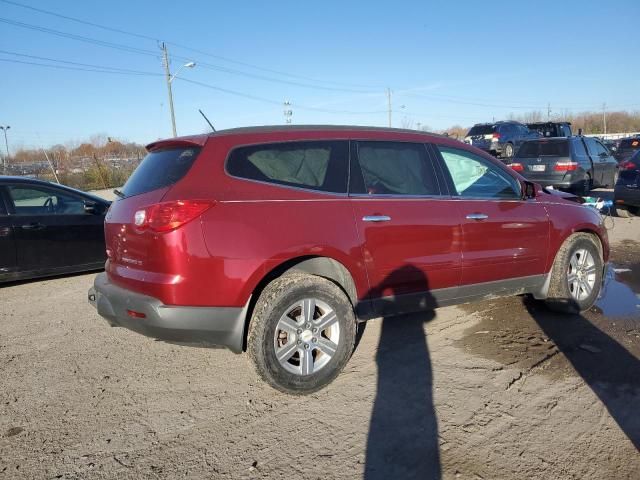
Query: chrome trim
[376,218]
[477,216]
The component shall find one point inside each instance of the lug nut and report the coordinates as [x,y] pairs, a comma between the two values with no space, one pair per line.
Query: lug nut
[306,346]
[299,331]
[308,325]
[299,342]
[315,330]
[314,339]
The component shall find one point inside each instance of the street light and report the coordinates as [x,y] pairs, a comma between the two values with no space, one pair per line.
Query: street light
[170,78]
[6,144]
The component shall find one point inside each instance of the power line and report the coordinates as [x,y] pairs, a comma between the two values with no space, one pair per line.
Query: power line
[63,67]
[185,47]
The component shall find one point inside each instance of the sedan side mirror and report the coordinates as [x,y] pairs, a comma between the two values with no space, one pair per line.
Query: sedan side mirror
[528,190]
[91,207]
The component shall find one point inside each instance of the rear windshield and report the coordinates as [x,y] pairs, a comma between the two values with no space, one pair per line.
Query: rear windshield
[629,144]
[482,130]
[160,169]
[544,149]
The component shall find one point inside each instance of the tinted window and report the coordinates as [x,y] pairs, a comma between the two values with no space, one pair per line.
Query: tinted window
[394,168]
[3,210]
[314,165]
[544,148]
[160,169]
[29,200]
[629,144]
[578,147]
[482,130]
[591,146]
[601,149]
[566,131]
[473,176]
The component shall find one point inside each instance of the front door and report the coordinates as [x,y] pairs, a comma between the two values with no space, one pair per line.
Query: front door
[410,241]
[7,242]
[52,229]
[503,236]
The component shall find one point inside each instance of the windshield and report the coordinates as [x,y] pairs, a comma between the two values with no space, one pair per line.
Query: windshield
[544,149]
[160,169]
[482,130]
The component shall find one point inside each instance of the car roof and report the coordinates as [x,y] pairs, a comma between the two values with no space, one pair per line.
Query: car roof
[44,183]
[549,123]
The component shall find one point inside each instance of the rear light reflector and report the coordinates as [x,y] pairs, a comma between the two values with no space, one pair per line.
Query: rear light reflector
[134,314]
[495,136]
[167,216]
[516,166]
[565,166]
[627,165]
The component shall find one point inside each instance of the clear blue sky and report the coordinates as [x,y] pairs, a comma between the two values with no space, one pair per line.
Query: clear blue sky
[446,63]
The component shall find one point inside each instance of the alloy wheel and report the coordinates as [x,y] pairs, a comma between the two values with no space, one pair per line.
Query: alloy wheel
[581,274]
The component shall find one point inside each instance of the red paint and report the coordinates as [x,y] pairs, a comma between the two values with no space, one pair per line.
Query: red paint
[219,257]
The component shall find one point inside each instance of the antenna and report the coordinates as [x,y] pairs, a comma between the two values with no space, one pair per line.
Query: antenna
[205,117]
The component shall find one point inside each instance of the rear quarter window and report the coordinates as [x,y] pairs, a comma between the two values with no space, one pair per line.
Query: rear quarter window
[160,169]
[544,149]
[321,165]
[482,130]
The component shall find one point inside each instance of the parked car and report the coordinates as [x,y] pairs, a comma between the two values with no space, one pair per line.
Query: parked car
[612,145]
[500,139]
[277,240]
[48,229]
[627,191]
[627,148]
[574,163]
[551,129]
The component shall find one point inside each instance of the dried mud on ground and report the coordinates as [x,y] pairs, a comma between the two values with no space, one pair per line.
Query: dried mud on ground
[499,389]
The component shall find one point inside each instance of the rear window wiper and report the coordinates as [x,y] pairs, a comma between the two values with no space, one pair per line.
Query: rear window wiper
[118,193]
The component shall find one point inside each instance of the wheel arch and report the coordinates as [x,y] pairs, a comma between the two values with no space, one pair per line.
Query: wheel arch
[322,266]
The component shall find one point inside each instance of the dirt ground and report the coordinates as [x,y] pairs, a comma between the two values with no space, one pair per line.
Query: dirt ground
[499,389]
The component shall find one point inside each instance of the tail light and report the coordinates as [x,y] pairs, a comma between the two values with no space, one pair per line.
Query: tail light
[167,216]
[516,166]
[628,165]
[496,136]
[565,166]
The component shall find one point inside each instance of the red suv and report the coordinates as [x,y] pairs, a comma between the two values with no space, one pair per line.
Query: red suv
[278,240]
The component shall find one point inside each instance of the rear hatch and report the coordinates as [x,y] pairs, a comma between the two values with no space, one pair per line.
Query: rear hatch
[627,148]
[134,253]
[542,158]
[481,136]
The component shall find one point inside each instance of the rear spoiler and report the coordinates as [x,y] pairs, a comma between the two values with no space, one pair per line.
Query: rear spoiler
[192,141]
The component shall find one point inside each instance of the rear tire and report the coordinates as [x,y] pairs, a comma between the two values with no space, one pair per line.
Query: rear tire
[584,187]
[576,276]
[508,150]
[302,333]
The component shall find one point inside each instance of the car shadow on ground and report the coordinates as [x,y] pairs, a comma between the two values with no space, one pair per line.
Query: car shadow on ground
[610,370]
[403,432]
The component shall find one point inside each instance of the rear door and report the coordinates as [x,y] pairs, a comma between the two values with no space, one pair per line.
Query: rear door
[598,166]
[503,236]
[7,241]
[608,165]
[410,239]
[52,229]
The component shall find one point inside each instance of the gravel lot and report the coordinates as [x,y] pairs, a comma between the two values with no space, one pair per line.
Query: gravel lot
[500,389]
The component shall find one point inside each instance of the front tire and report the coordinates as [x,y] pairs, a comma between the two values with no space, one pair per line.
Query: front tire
[508,150]
[302,333]
[576,276]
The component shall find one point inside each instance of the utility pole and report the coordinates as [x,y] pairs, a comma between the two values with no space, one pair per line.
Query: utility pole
[6,144]
[167,72]
[389,105]
[548,112]
[288,113]
[604,117]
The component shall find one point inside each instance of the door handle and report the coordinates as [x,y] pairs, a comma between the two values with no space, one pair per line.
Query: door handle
[376,218]
[477,216]
[5,231]
[33,226]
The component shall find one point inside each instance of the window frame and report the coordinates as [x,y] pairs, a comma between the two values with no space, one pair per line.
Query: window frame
[448,179]
[292,186]
[355,170]
[11,206]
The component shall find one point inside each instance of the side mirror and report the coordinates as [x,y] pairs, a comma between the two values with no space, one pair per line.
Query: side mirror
[91,207]
[528,190]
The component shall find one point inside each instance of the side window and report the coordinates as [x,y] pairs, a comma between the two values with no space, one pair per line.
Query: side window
[3,210]
[393,168]
[314,165]
[600,149]
[591,146]
[579,148]
[28,200]
[475,177]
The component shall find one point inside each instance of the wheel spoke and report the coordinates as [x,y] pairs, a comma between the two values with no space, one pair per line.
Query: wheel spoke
[307,362]
[574,262]
[584,258]
[308,309]
[586,288]
[326,320]
[286,352]
[571,278]
[590,270]
[288,324]
[326,346]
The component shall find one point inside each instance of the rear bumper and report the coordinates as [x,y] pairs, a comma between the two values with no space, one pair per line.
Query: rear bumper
[558,180]
[627,196]
[201,326]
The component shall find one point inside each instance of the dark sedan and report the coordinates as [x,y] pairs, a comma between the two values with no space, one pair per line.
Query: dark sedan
[627,192]
[48,229]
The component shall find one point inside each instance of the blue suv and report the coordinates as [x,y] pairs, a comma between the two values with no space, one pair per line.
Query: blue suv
[500,139]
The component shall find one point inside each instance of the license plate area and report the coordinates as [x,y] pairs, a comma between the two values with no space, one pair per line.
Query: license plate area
[537,168]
